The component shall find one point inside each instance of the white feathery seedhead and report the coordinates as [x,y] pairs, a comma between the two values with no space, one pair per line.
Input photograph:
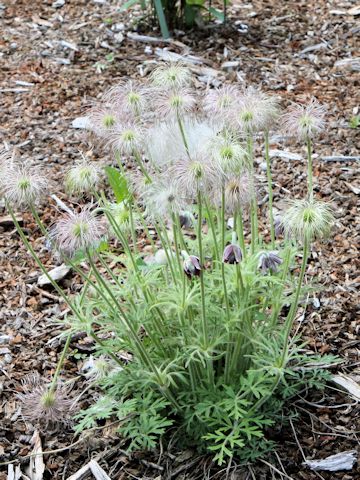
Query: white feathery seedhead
[304,121]
[257,111]
[222,103]
[96,369]
[126,138]
[78,231]
[171,75]
[238,192]
[228,154]
[164,143]
[22,186]
[194,174]
[130,98]
[41,405]
[83,178]
[307,219]
[173,103]
[102,119]
[162,198]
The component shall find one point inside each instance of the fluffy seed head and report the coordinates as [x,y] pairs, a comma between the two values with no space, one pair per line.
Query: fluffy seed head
[193,174]
[121,217]
[22,186]
[222,103]
[171,103]
[304,121]
[162,198]
[269,262]
[171,75]
[126,138]
[308,219]
[164,143]
[238,192]
[257,111]
[227,153]
[96,369]
[102,119]
[45,407]
[83,178]
[129,97]
[78,231]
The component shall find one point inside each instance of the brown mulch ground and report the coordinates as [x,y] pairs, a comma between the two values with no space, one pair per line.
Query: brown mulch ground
[291,48]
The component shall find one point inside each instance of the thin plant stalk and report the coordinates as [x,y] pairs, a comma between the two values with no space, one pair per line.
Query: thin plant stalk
[213,230]
[310,168]
[60,364]
[58,289]
[140,164]
[270,190]
[291,315]
[253,204]
[201,257]
[223,226]
[240,230]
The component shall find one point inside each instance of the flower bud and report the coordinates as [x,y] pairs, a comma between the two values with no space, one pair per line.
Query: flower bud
[269,261]
[191,265]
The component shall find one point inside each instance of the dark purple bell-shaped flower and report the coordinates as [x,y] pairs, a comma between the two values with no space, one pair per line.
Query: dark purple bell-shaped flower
[232,254]
[279,227]
[269,261]
[191,265]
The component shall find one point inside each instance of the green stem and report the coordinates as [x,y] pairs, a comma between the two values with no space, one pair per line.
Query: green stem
[240,230]
[291,315]
[270,190]
[60,364]
[176,244]
[201,257]
[288,326]
[277,303]
[213,231]
[310,168]
[253,205]
[227,305]
[140,163]
[183,136]
[58,289]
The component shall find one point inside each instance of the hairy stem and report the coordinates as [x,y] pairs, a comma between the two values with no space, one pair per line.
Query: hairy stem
[270,190]
[310,168]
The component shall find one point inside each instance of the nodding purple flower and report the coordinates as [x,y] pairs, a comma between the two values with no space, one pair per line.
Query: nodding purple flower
[186,219]
[191,265]
[278,225]
[232,254]
[269,261]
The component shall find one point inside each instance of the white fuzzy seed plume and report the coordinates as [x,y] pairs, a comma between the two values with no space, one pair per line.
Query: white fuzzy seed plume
[307,219]
[22,186]
[171,75]
[78,231]
[304,121]
[257,111]
[82,178]
[173,103]
[44,407]
[129,98]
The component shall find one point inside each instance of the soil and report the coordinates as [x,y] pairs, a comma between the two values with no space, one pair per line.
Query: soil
[68,55]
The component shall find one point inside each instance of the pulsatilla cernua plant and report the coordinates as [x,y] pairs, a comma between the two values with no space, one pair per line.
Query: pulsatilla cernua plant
[188,294]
